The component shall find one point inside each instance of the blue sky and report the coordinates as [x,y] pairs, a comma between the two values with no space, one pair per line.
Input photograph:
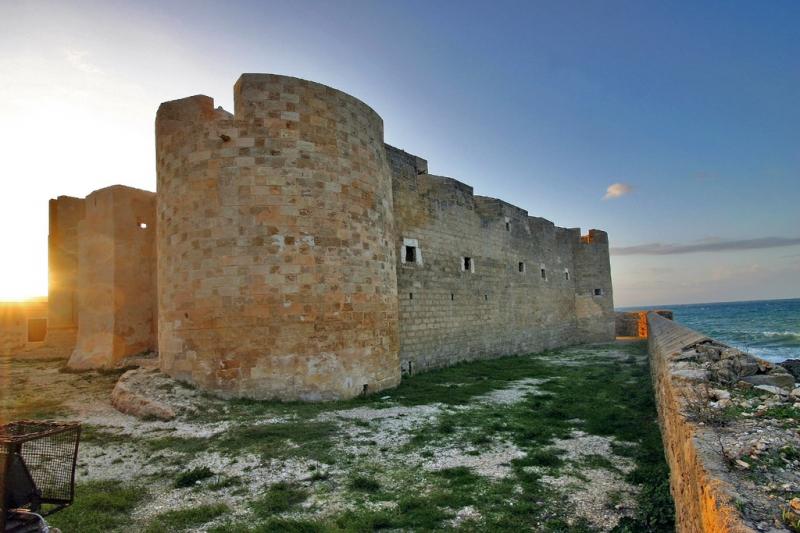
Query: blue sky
[691,105]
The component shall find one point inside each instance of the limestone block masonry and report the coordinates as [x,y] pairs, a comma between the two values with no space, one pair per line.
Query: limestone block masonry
[290,254]
[698,476]
[116,278]
[62,251]
[276,267]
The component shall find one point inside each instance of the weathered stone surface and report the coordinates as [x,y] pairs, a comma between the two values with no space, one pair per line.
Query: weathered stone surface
[634,323]
[116,278]
[744,364]
[278,272]
[276,258]
[449,313]
[704,498]
[793,367]
[132,395]
[784,381]
[772,389]
[66,214]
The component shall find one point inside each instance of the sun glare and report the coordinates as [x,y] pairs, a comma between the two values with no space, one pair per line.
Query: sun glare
[25,284]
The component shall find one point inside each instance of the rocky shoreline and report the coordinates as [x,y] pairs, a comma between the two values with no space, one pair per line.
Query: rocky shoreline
[741,416]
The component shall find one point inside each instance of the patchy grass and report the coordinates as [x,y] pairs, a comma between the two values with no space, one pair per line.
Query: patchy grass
[279,498]
[379,484]
[190,478]
[611,398]
[187,518]
[364,484]
[31,407]
[100,506]
[308,439]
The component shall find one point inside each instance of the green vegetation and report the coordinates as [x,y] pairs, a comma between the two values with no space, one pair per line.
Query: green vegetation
[311,439]
[600,391]
[191,477]
[100,507]
[183,519]
[31,406]
[279,498]
[364,484]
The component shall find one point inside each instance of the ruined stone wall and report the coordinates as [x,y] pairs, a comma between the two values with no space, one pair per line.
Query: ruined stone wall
[698,479]
[116,278]
[276,252]
[502,304]
[19,323]
[62,294]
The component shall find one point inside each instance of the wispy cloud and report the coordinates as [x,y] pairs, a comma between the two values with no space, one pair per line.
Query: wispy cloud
[615,190]
[77,58]
[657,248]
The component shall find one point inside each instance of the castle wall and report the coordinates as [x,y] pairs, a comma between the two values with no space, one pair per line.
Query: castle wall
[594,298]
[116,278]
[276,252]
[449,313]
[62,247]
[299,257]
[23,327]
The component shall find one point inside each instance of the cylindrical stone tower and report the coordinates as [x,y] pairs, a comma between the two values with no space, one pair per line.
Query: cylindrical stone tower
[276,269]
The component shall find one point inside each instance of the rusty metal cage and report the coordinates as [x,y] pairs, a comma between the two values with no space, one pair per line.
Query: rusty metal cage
[37,464]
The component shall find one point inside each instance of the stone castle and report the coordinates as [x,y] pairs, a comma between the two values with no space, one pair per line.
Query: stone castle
[289,253]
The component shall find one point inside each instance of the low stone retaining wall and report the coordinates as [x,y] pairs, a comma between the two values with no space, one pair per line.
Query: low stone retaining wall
[701,487]
[634,323]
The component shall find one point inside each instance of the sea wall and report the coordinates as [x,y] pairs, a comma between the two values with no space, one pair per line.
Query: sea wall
[699,478]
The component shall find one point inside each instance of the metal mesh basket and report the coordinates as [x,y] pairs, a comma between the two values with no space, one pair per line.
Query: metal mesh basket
[38,463]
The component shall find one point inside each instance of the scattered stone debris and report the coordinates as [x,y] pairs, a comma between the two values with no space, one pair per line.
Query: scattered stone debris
[465,514]
[587,487]
[494,462]
[756,428]
[180,429]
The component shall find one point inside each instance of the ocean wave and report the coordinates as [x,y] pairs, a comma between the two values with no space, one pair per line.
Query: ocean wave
[794,334]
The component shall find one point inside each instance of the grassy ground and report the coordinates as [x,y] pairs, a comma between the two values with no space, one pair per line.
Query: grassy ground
[561,441]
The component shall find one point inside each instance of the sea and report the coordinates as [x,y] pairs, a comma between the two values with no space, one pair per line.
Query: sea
[766,328]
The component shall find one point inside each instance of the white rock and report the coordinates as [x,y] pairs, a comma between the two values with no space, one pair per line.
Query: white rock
[772,389]
[719,394]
